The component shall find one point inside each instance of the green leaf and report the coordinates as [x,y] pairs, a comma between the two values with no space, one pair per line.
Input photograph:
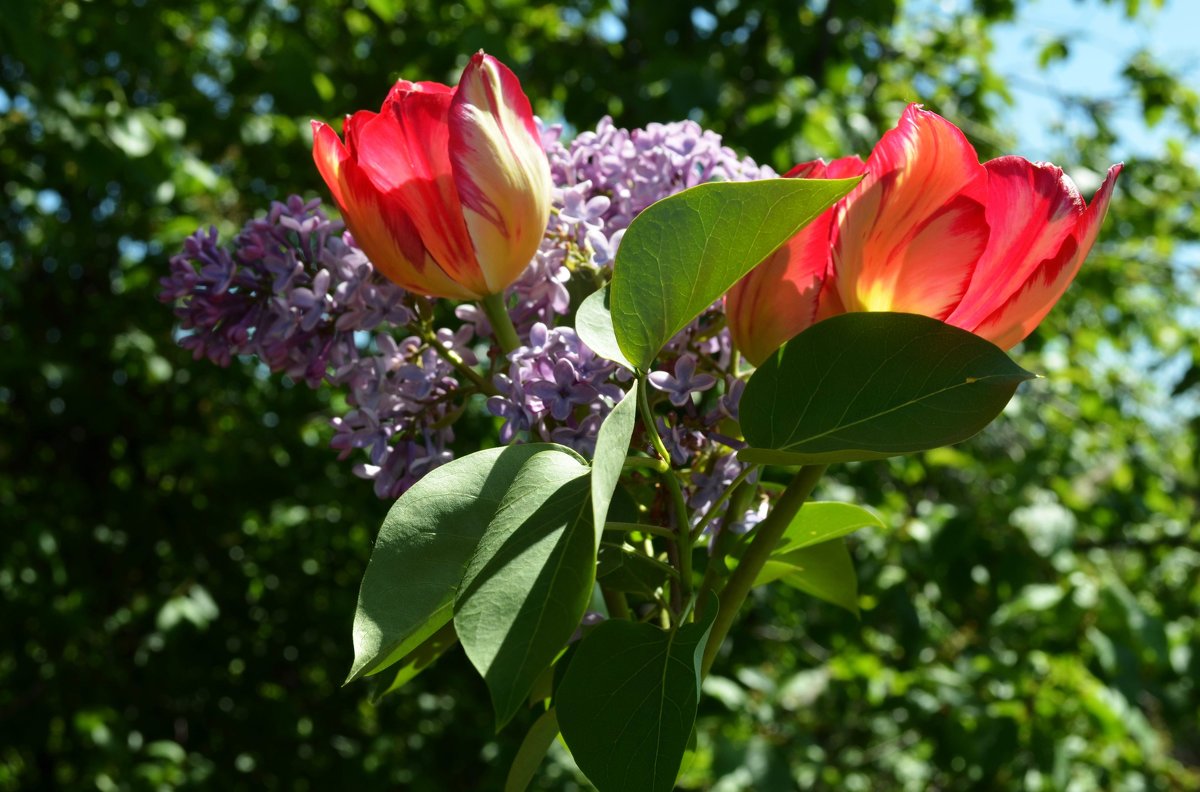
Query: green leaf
[630,572]
[612,446]
[627,703]
[533,749]
[825,571]
[820,521]
[872,385]
[683,253]
[423,548]
[529,583]
[594,325]
[418,660]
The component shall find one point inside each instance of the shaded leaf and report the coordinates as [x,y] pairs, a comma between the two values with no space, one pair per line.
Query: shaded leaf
[418,660]
[872,385]
[533,749]
[627,703]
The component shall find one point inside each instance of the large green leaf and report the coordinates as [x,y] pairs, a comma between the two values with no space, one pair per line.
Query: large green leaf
[683,253]
[423,548]
[612,446]
[594,325]
[872,385]
[627,703]
[824,570]
[529,583]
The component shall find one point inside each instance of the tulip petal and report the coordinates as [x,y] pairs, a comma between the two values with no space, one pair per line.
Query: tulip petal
[1032,208]
[1012,322]
[908,237]
[500,169]
[778,298]
[405,150]
[380,226]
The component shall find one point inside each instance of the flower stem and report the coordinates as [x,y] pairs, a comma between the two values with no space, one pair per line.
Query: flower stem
[683,539]
[502,327]
[766,537]
[460,365]
[715,571]
[618,608]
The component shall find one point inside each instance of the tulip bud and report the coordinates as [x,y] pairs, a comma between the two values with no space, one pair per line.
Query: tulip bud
[447,190]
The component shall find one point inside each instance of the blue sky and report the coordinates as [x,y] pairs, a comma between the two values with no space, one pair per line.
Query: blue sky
[1101,39]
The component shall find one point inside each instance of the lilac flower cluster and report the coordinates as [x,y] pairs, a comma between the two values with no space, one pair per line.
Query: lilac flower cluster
[296,292]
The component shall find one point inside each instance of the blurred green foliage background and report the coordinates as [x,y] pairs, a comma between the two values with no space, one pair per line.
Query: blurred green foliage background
[180,552]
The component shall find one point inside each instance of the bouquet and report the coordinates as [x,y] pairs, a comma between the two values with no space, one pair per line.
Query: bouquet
[666,344]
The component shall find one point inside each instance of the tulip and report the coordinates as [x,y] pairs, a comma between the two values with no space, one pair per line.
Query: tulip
[779,296]
[447,190]
[986,247]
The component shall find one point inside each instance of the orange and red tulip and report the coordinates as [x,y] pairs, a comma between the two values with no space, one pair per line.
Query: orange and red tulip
[447,190]
[986,247]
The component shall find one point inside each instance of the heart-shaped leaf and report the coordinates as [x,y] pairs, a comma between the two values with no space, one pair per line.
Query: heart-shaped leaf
[872,385]
[684,252]
[627,703]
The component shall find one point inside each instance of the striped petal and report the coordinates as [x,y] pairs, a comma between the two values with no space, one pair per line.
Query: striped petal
[405,150]
[778,298]
[908,237]
[379,223]
[1010,323]
[1031,210]
[500,169]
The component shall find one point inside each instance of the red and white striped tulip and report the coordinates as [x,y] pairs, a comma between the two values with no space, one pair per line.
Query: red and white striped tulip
[986,247]
[447,190]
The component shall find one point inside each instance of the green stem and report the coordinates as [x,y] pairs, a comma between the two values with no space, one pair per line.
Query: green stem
[502,327]
[648,421]
[453,358]
[618,608]
[715,571]
[646,462]
[620,527]
[766,538]
[683,540]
